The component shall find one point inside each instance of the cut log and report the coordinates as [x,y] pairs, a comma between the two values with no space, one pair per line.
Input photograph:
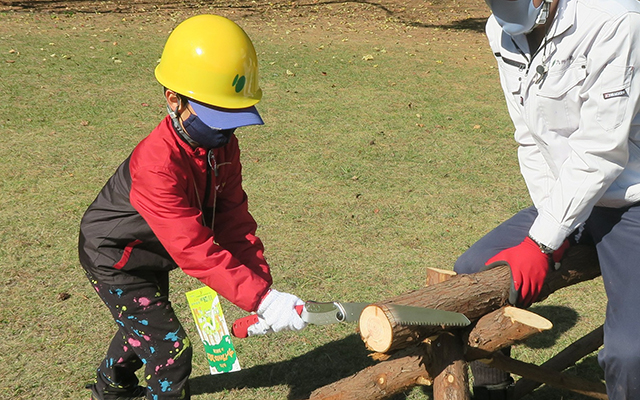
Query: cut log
[563,360]
[473,295]
[452,380]
[381,381]
[452,383]
[549,376]
[437,275]
[502,328]
[424,363]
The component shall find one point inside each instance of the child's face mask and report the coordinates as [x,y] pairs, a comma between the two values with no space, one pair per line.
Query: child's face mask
[204,135]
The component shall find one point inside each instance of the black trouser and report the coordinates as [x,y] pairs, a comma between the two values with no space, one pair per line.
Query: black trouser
[149,334]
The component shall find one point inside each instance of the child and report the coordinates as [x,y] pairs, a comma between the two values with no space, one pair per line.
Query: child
[177,201]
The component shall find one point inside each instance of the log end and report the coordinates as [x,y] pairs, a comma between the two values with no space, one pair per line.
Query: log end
[528,318]
[437,275]
[375,329]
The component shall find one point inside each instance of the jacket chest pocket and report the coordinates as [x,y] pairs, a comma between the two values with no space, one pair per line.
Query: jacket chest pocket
[512,73]
[558,98]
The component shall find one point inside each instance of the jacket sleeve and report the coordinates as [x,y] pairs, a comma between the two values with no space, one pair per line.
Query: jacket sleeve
[600,146]
[160,195]
[234,227]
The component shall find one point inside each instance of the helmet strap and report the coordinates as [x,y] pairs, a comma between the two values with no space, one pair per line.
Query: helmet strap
[177,126]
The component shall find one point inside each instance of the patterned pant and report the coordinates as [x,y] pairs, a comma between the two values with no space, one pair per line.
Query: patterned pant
[149,334]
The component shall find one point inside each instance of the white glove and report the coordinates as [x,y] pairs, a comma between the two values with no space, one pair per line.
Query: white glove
[278,312]
[259,328]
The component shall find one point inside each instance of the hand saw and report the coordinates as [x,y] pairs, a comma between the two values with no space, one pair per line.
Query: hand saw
[322,313]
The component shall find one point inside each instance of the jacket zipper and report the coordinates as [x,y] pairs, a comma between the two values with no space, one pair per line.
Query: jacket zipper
[211,166]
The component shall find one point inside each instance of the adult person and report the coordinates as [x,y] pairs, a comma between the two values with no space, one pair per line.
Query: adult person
[177,201]
[569,72]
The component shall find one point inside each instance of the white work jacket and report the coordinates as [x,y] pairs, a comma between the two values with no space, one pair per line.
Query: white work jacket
[578,124]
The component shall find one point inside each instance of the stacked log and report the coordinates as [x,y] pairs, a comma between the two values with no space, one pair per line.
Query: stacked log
[473,295]
[425,362]
[437,355]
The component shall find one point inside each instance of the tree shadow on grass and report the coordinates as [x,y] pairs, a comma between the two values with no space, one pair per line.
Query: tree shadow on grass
[394,9]
[587,368]
[563,319]
[319,367]
[406,16]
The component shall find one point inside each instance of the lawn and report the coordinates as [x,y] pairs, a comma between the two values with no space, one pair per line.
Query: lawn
[387,149]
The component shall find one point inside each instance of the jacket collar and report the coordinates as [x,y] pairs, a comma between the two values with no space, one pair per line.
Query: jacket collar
[563,19]
[198,151]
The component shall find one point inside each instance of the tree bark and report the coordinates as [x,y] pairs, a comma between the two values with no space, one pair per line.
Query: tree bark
[436,275]
[381,381]
[502,328]
[473,295]
[452,379]
[452,383]
[426,362]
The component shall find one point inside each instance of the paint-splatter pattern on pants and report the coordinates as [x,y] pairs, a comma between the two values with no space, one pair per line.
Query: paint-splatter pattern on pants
[149,335]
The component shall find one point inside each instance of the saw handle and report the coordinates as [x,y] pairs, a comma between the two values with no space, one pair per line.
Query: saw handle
[241,326]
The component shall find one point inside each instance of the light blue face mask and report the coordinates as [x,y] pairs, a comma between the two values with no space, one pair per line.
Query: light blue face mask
[518,17]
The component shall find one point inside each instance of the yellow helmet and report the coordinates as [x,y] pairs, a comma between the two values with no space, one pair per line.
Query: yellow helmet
[211,59]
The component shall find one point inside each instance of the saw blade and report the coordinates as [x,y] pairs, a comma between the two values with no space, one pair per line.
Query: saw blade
[410,315]
[319,313]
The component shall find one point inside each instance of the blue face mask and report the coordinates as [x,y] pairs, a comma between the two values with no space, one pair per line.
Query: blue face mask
[516,17]
[204,135]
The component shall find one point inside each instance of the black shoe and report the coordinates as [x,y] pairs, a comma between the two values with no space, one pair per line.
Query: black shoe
[136,393]
[501,391]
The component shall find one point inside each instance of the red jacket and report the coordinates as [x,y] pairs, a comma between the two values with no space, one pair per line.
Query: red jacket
[149,216]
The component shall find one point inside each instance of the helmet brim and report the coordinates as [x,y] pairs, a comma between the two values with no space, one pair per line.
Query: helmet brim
[226,118]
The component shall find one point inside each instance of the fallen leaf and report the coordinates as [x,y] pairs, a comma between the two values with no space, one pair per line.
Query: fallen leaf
[62,296]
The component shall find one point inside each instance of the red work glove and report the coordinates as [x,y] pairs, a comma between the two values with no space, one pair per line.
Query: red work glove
[557,255]
[529,268]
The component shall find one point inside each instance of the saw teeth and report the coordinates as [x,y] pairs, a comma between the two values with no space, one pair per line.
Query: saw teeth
[423,323]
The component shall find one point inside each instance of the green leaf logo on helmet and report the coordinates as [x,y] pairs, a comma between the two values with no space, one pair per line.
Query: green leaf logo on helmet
[239,82]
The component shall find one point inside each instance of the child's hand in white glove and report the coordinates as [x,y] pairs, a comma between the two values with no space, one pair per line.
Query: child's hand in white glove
[277,311]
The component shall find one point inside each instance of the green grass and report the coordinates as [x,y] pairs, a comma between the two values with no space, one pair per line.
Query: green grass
[386,150]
